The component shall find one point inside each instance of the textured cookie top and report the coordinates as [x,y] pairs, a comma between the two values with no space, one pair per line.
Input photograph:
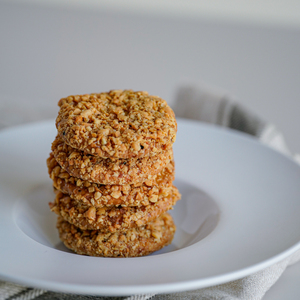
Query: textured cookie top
[120,123]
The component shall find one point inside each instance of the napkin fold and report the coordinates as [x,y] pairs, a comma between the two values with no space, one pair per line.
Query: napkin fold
[206,104]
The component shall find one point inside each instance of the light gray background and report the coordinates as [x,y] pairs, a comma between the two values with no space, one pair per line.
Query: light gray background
[49,53]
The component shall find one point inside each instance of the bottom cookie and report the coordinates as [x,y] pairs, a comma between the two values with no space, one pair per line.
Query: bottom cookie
[135,242]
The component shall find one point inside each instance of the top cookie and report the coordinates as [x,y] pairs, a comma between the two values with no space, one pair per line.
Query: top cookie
[120,123]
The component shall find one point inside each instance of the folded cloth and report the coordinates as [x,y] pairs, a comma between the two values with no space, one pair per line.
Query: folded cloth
[209,105]
[212,106]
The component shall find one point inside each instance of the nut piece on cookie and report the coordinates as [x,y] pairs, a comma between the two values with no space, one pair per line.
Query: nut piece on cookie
[119,124]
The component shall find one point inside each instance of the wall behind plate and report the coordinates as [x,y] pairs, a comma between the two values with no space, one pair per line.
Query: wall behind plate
[51,52]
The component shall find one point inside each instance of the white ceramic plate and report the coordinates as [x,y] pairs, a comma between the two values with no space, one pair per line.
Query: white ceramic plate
[239,213]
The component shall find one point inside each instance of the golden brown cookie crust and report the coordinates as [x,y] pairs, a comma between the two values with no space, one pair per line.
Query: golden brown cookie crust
[135,242]
[110,219]
[88,193]
[119,124]
[106,170]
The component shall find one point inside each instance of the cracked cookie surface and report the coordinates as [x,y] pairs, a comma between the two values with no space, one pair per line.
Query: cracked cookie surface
[132,243]
[119,123]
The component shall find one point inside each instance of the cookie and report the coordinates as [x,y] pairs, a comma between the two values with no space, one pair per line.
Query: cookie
[108,171]
[132,243]
[98,195]
[110,219]
[119,124]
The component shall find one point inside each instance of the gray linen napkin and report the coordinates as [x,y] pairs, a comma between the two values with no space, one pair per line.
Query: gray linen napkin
[207,105]
[210,105]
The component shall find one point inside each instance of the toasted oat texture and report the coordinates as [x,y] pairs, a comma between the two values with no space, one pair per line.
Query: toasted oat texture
[110,219]
[106,170]
[98,195]
[134,242]
[120,124]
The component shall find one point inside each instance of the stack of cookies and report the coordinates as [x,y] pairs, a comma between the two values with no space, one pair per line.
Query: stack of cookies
[112,169]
